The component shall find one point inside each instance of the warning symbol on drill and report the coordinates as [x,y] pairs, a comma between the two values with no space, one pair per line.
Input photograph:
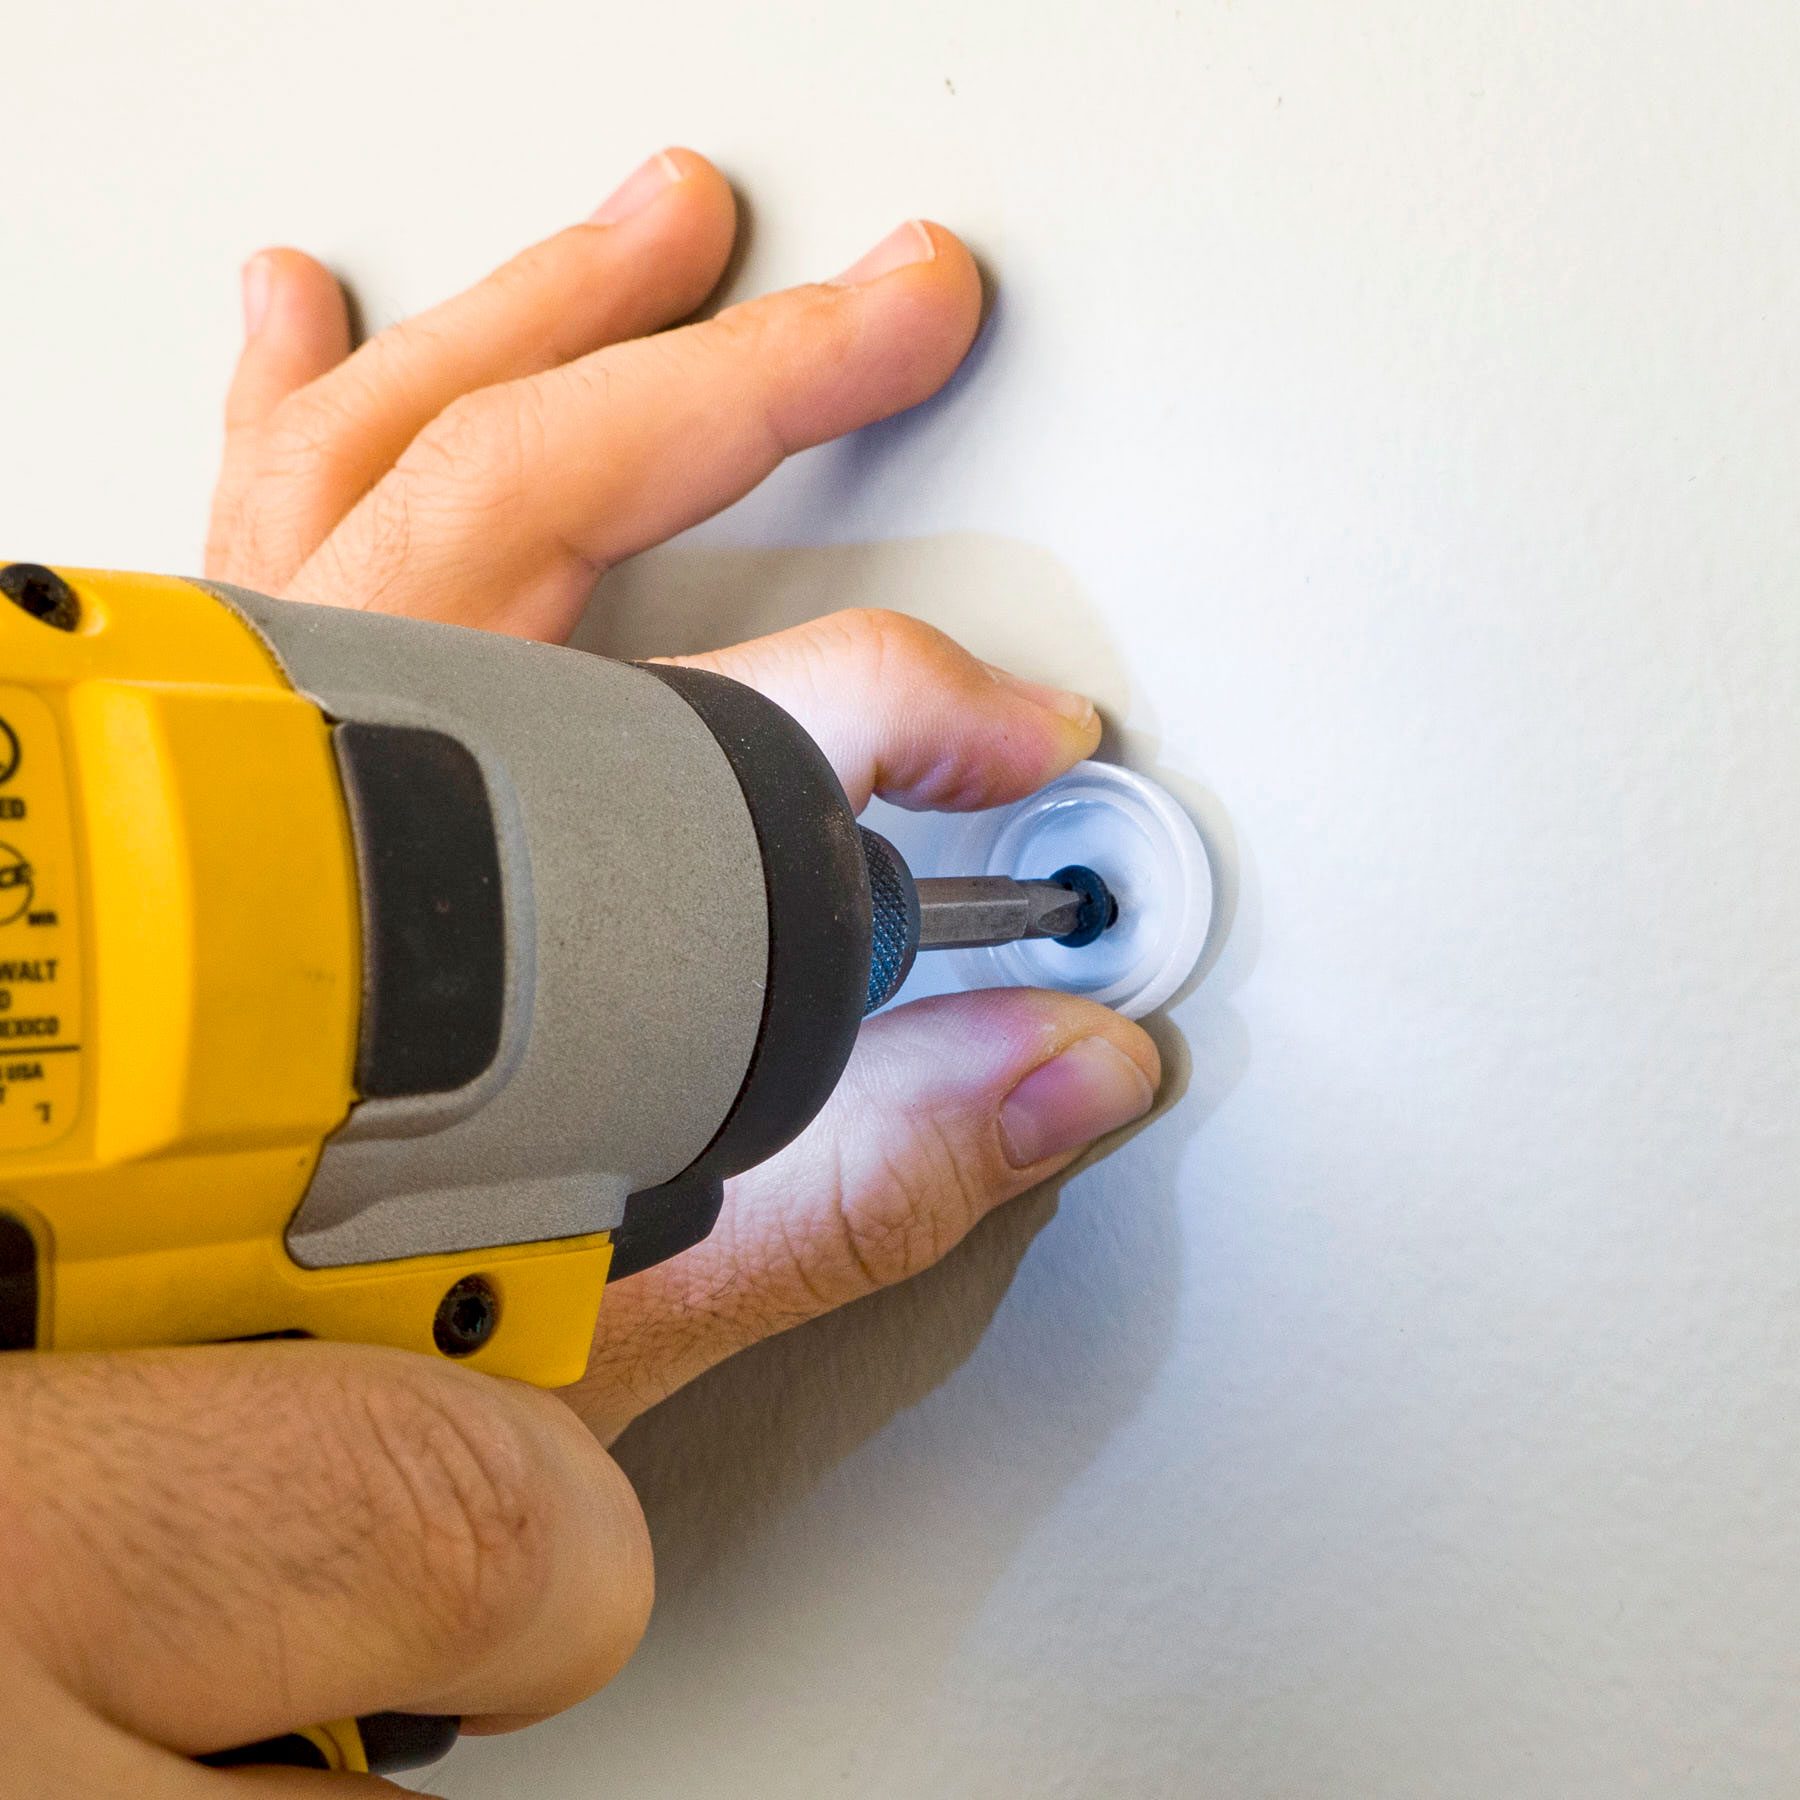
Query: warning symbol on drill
[9,751]
[15,884]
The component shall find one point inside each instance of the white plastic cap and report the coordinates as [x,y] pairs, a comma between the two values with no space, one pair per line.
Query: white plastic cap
[1138,840]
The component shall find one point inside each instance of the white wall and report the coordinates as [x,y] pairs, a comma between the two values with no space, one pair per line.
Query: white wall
[1393,411]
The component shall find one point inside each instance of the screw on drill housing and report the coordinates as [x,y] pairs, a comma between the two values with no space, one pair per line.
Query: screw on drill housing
[42,593]
[466,1316]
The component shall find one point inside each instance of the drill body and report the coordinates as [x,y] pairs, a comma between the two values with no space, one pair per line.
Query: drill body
[369,978]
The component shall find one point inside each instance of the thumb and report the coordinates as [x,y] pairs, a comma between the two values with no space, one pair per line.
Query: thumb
[209,1546]
[949,1107]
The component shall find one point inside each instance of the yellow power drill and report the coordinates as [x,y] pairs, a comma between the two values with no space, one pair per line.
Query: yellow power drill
[374,979]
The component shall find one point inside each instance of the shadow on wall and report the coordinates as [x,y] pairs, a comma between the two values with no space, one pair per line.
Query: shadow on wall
[727,1462]
[1006,600]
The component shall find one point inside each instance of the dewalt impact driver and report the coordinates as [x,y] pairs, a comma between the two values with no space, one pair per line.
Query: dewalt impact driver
[375,979]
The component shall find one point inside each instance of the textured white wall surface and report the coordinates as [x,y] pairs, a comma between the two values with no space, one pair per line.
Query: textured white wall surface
[1392,412]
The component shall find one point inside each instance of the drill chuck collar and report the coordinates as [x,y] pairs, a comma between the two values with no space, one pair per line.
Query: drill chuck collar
[816,887]
[846,918]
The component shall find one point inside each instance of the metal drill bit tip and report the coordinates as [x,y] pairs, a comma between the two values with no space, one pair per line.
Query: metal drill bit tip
[968,912]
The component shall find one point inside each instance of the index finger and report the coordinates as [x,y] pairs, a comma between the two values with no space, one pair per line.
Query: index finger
[903,711]
[504,509]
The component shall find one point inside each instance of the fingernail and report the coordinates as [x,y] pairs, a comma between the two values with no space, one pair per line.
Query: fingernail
[1090,1089]
[638,189]
[1077,707]
[906,244]
[259,283]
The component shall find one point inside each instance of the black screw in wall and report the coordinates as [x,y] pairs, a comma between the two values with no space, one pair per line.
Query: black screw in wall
[41,592]
[466,1316]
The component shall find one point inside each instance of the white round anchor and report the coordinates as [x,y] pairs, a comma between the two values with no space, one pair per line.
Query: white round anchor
[1139,841]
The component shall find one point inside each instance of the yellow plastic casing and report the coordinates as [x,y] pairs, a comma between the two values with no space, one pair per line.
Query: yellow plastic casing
[180,947]
[340,1744]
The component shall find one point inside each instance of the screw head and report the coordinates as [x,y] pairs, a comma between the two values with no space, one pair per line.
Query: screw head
[42,593]
[466,1316]
[1099,905]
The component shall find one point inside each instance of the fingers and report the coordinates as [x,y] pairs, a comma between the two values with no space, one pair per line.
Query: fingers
[648,255]
[207,1547]
[296,328]
[905,712]
[949,1107]
[502,510]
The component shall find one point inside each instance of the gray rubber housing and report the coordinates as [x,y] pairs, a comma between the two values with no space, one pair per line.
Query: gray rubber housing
[634,906]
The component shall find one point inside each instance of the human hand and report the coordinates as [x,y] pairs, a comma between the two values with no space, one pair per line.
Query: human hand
[206,1547]
[485,462]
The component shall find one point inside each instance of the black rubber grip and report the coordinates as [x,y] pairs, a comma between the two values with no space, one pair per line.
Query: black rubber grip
[290,1751]
[392,1742]
[661,1222]
[18,1285]
[434,913]
[816,891]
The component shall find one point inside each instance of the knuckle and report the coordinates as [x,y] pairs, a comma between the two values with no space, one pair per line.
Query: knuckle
[541,267]
[465,433]
[890,637]
[314,430]
[825,318]
[778,350]
[899,662]
[362,568]
[393,366]
[451,1492]
[876,647]
[739,332]
[904,1209]
[477,450]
